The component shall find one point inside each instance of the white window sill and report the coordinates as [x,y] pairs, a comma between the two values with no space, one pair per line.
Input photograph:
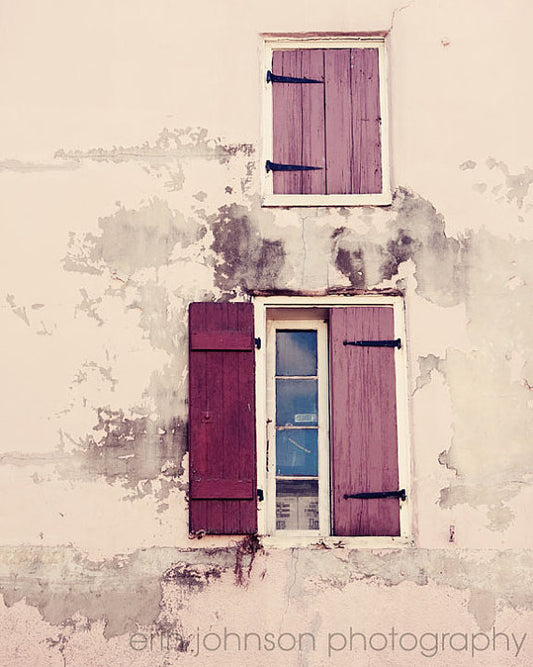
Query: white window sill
[335,542]
[382,199]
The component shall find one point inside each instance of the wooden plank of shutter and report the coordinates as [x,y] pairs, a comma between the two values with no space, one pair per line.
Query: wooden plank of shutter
[338,103]
[366,122]
[364,443]
[313,123]
[222,475]
[287,119]
[219,340]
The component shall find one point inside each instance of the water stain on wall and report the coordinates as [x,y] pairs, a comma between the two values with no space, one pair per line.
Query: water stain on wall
[244,259]
[152,587]
[517,184]
[133,448]
[414,230]
[124,592]
[131,240]
[448,271]
[175,144]
[165,156]
[478,270]
[496,581]
[27,167]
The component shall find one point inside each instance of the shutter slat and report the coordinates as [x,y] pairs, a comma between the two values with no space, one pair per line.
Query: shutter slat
[221,340]
[313,123]
[287,110]
[338,104]
[222,488]
[222,419]
[364,447]
[366,129]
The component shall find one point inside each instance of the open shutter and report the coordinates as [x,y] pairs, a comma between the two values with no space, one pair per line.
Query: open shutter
[222,474]
[364,442]
[333,126]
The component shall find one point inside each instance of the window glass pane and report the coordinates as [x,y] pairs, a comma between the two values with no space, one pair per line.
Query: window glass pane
[296,402]
[295,352]
[297,452]
[297,505]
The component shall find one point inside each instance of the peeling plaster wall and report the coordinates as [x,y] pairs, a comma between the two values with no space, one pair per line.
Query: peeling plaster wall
[129,187]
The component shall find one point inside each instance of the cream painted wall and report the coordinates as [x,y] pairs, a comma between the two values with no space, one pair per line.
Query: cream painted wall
[130,162]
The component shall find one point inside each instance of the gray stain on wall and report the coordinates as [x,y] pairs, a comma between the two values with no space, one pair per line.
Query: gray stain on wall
[136,450]
[244,259]
[415,231]
[151,587]
[170,145]
[164,158]
[33,167]
[517,184]
[124,592]
[368,249]
[130,240]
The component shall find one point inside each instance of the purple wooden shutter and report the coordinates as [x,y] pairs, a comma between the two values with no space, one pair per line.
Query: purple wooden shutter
[222,471]
[335,125]
[364,444]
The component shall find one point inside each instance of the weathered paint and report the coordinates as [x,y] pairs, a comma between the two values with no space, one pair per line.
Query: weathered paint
[114,224]
[364,441]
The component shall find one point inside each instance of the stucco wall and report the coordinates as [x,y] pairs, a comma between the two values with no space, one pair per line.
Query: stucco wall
[129,186]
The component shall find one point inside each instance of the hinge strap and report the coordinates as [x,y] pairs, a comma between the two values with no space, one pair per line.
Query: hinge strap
[375,343]
[276,166]
[276,78]
[377,494]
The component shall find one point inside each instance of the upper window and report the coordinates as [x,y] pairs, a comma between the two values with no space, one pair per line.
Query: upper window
[325,122]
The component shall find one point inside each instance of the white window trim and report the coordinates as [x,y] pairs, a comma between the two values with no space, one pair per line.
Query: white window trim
[268,198]
[264,481]
[323,424]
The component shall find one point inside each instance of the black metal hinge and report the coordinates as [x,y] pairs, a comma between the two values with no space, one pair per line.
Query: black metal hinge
[276,78]
[260,495]
[276,166]
[375,343]
[257,342]
[377,494]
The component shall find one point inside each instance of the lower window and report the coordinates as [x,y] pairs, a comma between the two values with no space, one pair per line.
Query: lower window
[297,418]
[332,458]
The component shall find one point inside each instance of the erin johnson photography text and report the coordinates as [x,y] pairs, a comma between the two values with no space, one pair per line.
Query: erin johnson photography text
[335,642]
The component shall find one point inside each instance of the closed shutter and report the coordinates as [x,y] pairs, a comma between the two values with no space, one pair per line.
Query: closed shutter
[364,442]
[222,474]
[331,123]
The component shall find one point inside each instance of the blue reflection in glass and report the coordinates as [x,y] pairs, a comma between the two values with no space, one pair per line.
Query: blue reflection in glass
[296,352]
[297,452]
[296,402]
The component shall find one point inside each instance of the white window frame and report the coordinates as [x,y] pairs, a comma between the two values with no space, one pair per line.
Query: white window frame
[264,429]
[323,422]
[272,43]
